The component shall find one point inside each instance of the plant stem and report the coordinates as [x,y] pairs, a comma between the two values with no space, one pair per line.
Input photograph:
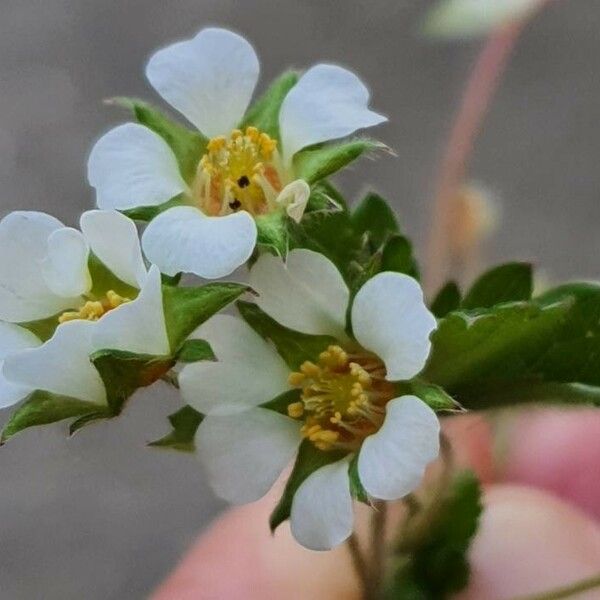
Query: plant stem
[566,591]
[360,566]
[481,87]
[378,545]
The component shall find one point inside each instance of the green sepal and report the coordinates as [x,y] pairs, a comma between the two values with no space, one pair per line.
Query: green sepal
[43,408]
[125,372]
[195,351]
[43,328]
[185,423]
[431,562]
[309,459]
[281,402]
[188,146]
[264,113]
[294,347]
[434,396]
[398,256]
[272,232]
[186,308]
[325,196]
[374,218]
[147,213]
[89,419]
[104,280]
[512,282]
[357,490]
[319,162]
[447,300]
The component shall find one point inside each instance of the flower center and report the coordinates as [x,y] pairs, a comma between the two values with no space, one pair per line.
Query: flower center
[241,172]
[92,310]
[343,398]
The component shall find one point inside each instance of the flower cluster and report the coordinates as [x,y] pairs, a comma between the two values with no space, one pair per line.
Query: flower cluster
[90,315]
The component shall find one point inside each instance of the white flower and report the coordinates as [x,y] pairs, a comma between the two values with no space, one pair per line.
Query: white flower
[347,401]
[210,79]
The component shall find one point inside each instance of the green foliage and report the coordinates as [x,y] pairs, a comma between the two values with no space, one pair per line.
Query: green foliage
[294,347]
[194,351]
[398,256]
[433,395]
[273,232]
[43,408]
[357,490]
[281,402]
[319,162]
[43,328]
[309,459]
[431,562]
[264,113]
[103,280]
[147,213]
[185,423]
[186,308]
[188,146]
[125,372]
[374,218]
[507,283]
[447,300]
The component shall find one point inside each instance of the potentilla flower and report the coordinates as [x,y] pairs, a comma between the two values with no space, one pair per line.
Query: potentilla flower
[46,271]
[244,172]
[347,401]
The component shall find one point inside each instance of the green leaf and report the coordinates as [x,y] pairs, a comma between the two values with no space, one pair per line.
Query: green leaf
[147,213]
[188,146]
[374,218]
[272,230]
[186,308]
[512,282]
[309,459]
[316,163]
[493,346]
[356,487]
[434,396]
[264,113]
[294,347]
[281,402]
[432,562]
[43,408]
[447,300]
[185,423]
[450,19]
[194,351]
[125,372]
[398,257]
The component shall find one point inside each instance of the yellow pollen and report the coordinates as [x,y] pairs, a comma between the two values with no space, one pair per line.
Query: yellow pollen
[239,172]
[343,398]
[92,310]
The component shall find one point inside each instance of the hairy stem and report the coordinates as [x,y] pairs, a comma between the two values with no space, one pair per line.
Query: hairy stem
[566,591]
[360,566]
[378,545]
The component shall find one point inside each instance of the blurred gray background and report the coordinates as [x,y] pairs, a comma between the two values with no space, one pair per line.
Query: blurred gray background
[100,516]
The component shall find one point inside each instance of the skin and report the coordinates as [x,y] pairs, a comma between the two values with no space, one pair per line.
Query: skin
[540,529]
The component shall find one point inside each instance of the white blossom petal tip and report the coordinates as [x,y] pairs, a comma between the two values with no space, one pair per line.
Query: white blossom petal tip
[391,462]
[209,79]
[183,239]
[328,103]
[132,166]
[390,318]
[305,293]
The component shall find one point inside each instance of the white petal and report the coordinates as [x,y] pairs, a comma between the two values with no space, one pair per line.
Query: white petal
[392,461]
[322,514]
[24,295]
[61,365]
[65,268]
[183,239]
[328,103]
[390,318]
[294,198]
[306,293]
[132,166]
[14,338]
[245,453]
[209,79]
[11,393]
[137,326]
[113,238]
[248,372]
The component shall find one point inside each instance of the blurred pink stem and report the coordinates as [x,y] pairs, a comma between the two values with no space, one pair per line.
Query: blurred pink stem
[481,87]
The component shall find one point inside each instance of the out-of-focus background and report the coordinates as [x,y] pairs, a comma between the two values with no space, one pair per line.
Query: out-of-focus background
[100,516]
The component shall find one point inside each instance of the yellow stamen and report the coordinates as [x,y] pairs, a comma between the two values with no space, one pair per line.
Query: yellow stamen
[92,310]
